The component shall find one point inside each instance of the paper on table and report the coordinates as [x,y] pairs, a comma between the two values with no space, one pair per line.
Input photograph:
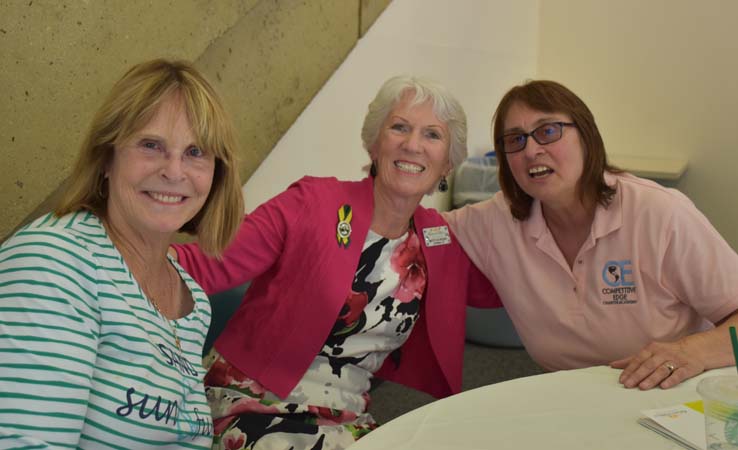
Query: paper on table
[684,424]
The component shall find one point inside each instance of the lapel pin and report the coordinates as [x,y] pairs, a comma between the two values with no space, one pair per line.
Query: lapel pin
[343,229]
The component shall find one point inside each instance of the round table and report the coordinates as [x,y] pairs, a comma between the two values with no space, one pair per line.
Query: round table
[573,409]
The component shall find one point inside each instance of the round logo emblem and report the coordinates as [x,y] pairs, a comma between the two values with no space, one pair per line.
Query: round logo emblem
[344,229]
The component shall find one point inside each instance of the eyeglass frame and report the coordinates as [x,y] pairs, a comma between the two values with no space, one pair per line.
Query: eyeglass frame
[531,134]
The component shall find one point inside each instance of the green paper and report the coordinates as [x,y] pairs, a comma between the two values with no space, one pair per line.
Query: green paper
[734,341]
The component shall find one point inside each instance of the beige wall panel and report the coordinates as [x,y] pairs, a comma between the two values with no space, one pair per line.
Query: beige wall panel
[268,57]
[59,59]
[272,63]
[370,10]
[660,78]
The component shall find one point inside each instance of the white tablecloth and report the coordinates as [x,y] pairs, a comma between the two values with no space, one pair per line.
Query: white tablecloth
[575,409]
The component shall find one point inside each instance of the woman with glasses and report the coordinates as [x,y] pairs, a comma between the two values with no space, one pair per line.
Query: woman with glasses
[594,265]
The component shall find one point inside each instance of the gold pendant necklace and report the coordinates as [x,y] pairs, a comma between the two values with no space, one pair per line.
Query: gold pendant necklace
[173,327]
[113,235]
[173,283]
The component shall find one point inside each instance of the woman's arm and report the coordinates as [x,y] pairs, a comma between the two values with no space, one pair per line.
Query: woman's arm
[689,357]
[49,329]
[702,271]
[482,294]
[256,247]
[470,225]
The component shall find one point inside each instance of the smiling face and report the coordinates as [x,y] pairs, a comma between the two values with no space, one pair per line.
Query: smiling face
[411,151]
[158,178]
[550,172]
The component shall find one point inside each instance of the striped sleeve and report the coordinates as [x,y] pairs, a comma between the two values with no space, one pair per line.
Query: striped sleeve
[49,329]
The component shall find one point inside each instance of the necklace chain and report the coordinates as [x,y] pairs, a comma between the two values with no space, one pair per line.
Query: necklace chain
[113,235]
[172,324]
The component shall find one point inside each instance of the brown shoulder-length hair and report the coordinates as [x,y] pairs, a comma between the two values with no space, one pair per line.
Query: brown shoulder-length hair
[129,106]
[552,97]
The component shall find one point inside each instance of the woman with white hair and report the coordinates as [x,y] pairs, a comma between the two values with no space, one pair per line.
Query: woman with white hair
[351,279]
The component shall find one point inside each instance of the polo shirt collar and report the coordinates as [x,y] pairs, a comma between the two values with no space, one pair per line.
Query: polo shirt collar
[535,225]
[606,220]
[609,219]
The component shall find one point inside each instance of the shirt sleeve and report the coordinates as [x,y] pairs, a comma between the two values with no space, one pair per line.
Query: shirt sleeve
[698,264]
[257,246]
[49,331]
[482,294]
[471,226]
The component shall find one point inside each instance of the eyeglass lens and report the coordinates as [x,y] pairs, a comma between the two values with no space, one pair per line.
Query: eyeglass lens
[544,134]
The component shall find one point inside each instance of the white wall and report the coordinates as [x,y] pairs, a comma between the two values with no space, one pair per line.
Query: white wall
[661,77]
[477,48]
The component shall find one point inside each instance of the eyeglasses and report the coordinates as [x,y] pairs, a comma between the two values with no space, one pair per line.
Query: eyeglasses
[544,134]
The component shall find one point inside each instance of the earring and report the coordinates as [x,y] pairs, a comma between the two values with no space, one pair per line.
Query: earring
[373,170]
[101,189]
[443,185]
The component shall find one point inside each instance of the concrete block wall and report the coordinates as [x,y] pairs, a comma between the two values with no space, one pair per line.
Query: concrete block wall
[268,58]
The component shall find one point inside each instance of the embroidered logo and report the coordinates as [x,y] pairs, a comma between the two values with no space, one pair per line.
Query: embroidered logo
[620,288]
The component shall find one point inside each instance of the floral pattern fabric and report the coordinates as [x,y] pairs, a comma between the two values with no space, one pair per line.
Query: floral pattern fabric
[327,408]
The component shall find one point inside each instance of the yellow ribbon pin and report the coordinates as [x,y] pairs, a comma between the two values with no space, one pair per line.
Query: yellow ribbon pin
[343,229]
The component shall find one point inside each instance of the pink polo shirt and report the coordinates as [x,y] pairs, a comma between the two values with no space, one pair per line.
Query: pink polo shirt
[652,269]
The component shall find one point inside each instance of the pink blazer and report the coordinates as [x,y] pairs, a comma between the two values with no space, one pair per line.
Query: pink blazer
[301,277]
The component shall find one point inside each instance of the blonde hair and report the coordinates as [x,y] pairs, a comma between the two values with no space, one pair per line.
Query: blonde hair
[130,105]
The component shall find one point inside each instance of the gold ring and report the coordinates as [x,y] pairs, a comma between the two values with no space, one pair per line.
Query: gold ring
[670,367]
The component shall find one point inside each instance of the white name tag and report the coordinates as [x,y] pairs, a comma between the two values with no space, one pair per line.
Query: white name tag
[436,236]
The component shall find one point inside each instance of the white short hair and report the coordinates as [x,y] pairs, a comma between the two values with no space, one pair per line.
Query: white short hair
[445,107]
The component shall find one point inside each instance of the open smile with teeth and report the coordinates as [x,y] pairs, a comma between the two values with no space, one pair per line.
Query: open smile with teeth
[539,171]
[165,198]
[409,167]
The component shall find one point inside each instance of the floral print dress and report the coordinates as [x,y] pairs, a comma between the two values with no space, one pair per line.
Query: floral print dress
[327,408]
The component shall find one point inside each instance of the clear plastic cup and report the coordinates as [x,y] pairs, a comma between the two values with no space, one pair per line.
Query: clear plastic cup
[720,399]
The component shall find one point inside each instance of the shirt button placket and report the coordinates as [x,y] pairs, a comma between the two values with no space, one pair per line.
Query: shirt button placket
[577,270]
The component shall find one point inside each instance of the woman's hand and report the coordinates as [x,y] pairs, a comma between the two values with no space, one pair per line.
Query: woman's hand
[666,364]
[663,364]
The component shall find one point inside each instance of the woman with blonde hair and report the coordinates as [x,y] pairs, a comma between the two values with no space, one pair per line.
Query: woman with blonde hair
[102,333]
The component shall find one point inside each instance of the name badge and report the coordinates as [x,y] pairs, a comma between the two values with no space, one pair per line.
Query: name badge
[436,236]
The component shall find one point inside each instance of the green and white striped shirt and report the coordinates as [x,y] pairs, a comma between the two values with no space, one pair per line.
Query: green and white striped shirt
[85,360]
